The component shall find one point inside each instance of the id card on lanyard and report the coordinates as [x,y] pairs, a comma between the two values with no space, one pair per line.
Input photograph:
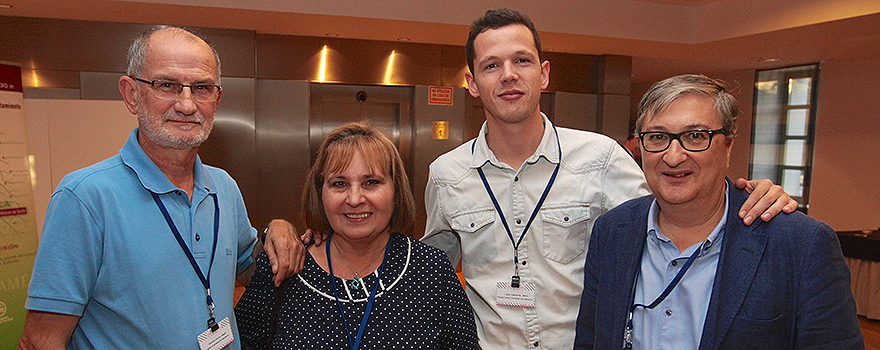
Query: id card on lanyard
[218,335]
[517,294]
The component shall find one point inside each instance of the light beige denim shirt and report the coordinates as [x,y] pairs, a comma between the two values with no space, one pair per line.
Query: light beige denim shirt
[595,174]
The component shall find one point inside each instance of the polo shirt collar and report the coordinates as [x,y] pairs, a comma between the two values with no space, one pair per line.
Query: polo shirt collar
[548,148]
[153,179]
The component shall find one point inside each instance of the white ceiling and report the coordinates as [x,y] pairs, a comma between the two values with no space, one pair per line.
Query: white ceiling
[664,37]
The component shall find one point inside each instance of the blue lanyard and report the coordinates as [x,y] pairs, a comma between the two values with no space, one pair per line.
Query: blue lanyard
[629,321]
[354,345]
[206,280]
[514,281]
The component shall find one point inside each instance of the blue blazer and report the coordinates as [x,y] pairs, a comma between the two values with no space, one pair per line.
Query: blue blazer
[781,284]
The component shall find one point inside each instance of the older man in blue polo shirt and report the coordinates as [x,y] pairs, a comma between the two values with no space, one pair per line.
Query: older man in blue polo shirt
[141,250]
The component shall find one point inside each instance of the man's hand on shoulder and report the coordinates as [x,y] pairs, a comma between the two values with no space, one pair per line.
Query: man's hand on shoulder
[286,253]
[765,199]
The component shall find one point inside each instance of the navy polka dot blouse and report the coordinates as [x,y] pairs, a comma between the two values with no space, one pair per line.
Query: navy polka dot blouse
[420,304]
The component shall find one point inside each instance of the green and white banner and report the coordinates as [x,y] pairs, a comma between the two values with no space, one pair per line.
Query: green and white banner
[18,229]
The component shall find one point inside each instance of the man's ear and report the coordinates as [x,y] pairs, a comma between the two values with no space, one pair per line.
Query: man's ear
[472,85]
[128,90]
[729,145]
[545,74]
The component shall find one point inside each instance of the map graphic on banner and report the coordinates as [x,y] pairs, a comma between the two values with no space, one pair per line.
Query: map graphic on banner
[18,229]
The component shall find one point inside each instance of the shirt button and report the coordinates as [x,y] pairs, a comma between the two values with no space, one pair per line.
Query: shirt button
[518,221]
[198,237]
[565,218]
[674,263]
[535,344]
[472,224]
[524,263]
[177,192]
[668,312]
[516,179]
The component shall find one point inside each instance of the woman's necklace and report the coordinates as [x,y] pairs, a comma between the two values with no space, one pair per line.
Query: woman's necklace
[356,282]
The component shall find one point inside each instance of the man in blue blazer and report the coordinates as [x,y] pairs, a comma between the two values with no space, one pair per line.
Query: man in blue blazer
[679,270]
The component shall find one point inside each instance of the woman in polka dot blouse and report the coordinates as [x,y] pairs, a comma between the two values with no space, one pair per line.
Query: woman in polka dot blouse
[368,286]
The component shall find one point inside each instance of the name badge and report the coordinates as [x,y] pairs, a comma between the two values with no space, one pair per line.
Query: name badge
[524,296]
[219,339]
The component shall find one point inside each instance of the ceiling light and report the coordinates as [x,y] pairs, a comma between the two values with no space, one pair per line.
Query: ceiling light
[402,39]
[5,6]
[765,60]
[333,34]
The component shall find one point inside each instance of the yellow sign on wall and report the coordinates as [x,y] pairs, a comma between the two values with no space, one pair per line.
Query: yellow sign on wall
[440,130]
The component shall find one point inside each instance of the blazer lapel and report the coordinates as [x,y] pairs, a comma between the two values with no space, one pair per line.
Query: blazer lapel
[621,263]
[741,250]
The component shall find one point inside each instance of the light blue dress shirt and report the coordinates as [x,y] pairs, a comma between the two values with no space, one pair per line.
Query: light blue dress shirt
[677,322]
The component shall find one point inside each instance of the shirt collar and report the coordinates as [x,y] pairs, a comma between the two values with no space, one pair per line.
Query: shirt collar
[714,236]
[548,148]
[151,177]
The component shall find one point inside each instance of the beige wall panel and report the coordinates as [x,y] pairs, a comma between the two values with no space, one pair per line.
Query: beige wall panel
[36,113]
[616,76]
[845,187]
[576,111]
[615,116]
[66,135]
[573,73]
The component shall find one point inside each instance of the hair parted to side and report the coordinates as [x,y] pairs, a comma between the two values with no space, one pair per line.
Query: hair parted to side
[494,19]
[335,155]
[137,52]
[664,92]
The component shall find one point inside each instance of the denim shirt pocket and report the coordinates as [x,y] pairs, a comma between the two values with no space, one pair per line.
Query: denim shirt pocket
[565,226]
[472,220]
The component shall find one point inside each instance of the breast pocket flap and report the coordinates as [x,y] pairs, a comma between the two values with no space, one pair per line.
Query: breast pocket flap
[471,221]
[566,216]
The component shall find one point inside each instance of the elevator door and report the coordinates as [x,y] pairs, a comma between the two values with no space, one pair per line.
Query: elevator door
[388,108]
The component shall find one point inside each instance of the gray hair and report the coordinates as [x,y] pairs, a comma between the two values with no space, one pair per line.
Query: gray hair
[137,52]
[663,93]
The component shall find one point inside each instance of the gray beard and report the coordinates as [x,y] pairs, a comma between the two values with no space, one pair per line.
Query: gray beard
[157,132]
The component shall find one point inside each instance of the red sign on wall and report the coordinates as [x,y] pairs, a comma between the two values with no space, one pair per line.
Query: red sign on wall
[440,95]
[13,211]
[10,78]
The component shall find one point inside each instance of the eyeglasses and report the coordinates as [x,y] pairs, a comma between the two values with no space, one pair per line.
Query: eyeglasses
[691,140]
[170,90]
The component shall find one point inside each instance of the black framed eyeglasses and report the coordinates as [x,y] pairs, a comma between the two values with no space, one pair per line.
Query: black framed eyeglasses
[692,140]
[170,90]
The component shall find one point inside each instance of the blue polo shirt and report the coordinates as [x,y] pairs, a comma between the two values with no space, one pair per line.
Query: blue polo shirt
[107,254]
